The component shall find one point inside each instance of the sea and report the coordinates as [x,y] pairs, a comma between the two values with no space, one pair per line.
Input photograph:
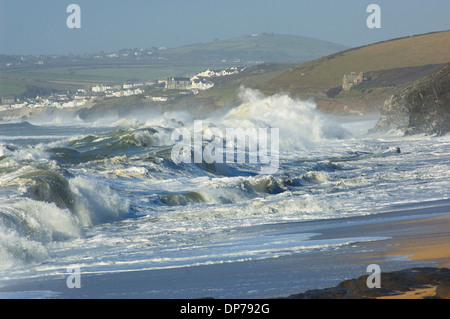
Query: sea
[107,196]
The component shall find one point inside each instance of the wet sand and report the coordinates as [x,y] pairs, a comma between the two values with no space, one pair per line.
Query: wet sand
[423,238]
[429,242]
[417,238]
[418,293]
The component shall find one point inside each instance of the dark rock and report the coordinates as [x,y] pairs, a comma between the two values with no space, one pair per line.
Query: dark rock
[392,283]
[443,291]
[423,107]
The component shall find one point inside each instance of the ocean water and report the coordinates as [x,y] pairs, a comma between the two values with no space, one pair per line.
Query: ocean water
[107,196]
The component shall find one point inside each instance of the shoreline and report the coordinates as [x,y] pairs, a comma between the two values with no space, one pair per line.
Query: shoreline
[424,239]
[426,245]
[284,276]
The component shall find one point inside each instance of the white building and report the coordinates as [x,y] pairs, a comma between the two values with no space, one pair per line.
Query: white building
[200,83]
[178,83]
[206,74]
[133,92]
[159,98]
[100,88]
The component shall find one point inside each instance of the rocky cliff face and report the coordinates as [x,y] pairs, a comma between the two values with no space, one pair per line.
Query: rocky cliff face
[423,107]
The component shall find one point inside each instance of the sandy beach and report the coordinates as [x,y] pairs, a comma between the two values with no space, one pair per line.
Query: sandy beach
[424,239]
[431,241]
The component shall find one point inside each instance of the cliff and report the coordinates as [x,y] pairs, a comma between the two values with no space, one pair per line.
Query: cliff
[423,107]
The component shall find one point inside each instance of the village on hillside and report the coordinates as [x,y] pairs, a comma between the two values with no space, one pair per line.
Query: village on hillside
[162,90]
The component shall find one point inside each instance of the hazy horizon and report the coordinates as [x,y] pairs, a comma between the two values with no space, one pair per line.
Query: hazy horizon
[39,27]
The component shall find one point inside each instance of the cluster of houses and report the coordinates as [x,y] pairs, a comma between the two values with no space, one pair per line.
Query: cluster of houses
[127,89]
[165,90]
[69,100]
[183,85]
[200,81]
[54,100]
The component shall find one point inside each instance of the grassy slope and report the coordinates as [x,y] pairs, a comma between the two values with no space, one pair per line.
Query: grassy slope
[327,72]
[11,87]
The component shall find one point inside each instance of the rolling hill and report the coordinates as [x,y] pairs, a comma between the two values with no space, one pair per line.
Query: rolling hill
[388,67]
[256,48]
[63,73]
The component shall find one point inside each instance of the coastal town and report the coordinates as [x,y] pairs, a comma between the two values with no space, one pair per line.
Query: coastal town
[161,90]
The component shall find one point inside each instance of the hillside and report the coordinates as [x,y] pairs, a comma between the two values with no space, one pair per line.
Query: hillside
[256,48]
[388,66]
[67,73]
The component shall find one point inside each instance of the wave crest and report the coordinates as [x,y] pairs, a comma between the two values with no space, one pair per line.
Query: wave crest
[299,122]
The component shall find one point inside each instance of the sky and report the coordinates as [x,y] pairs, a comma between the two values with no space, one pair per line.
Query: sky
[35,27]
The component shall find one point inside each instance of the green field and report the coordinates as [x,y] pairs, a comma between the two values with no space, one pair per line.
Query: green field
[14,82]
[10,88]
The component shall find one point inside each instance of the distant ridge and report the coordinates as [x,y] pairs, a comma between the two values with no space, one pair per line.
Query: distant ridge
[258,48]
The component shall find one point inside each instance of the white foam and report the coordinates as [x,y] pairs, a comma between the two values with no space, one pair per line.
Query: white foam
[36,294]
[96,202]
[363,175]
[299,122]
[49,216]
[17,250]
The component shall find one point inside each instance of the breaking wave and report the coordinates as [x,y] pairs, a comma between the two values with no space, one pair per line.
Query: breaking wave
[51,208]
[299,122]
[114,189]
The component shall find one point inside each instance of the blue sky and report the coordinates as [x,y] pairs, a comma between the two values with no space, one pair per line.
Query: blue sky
[39,26]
